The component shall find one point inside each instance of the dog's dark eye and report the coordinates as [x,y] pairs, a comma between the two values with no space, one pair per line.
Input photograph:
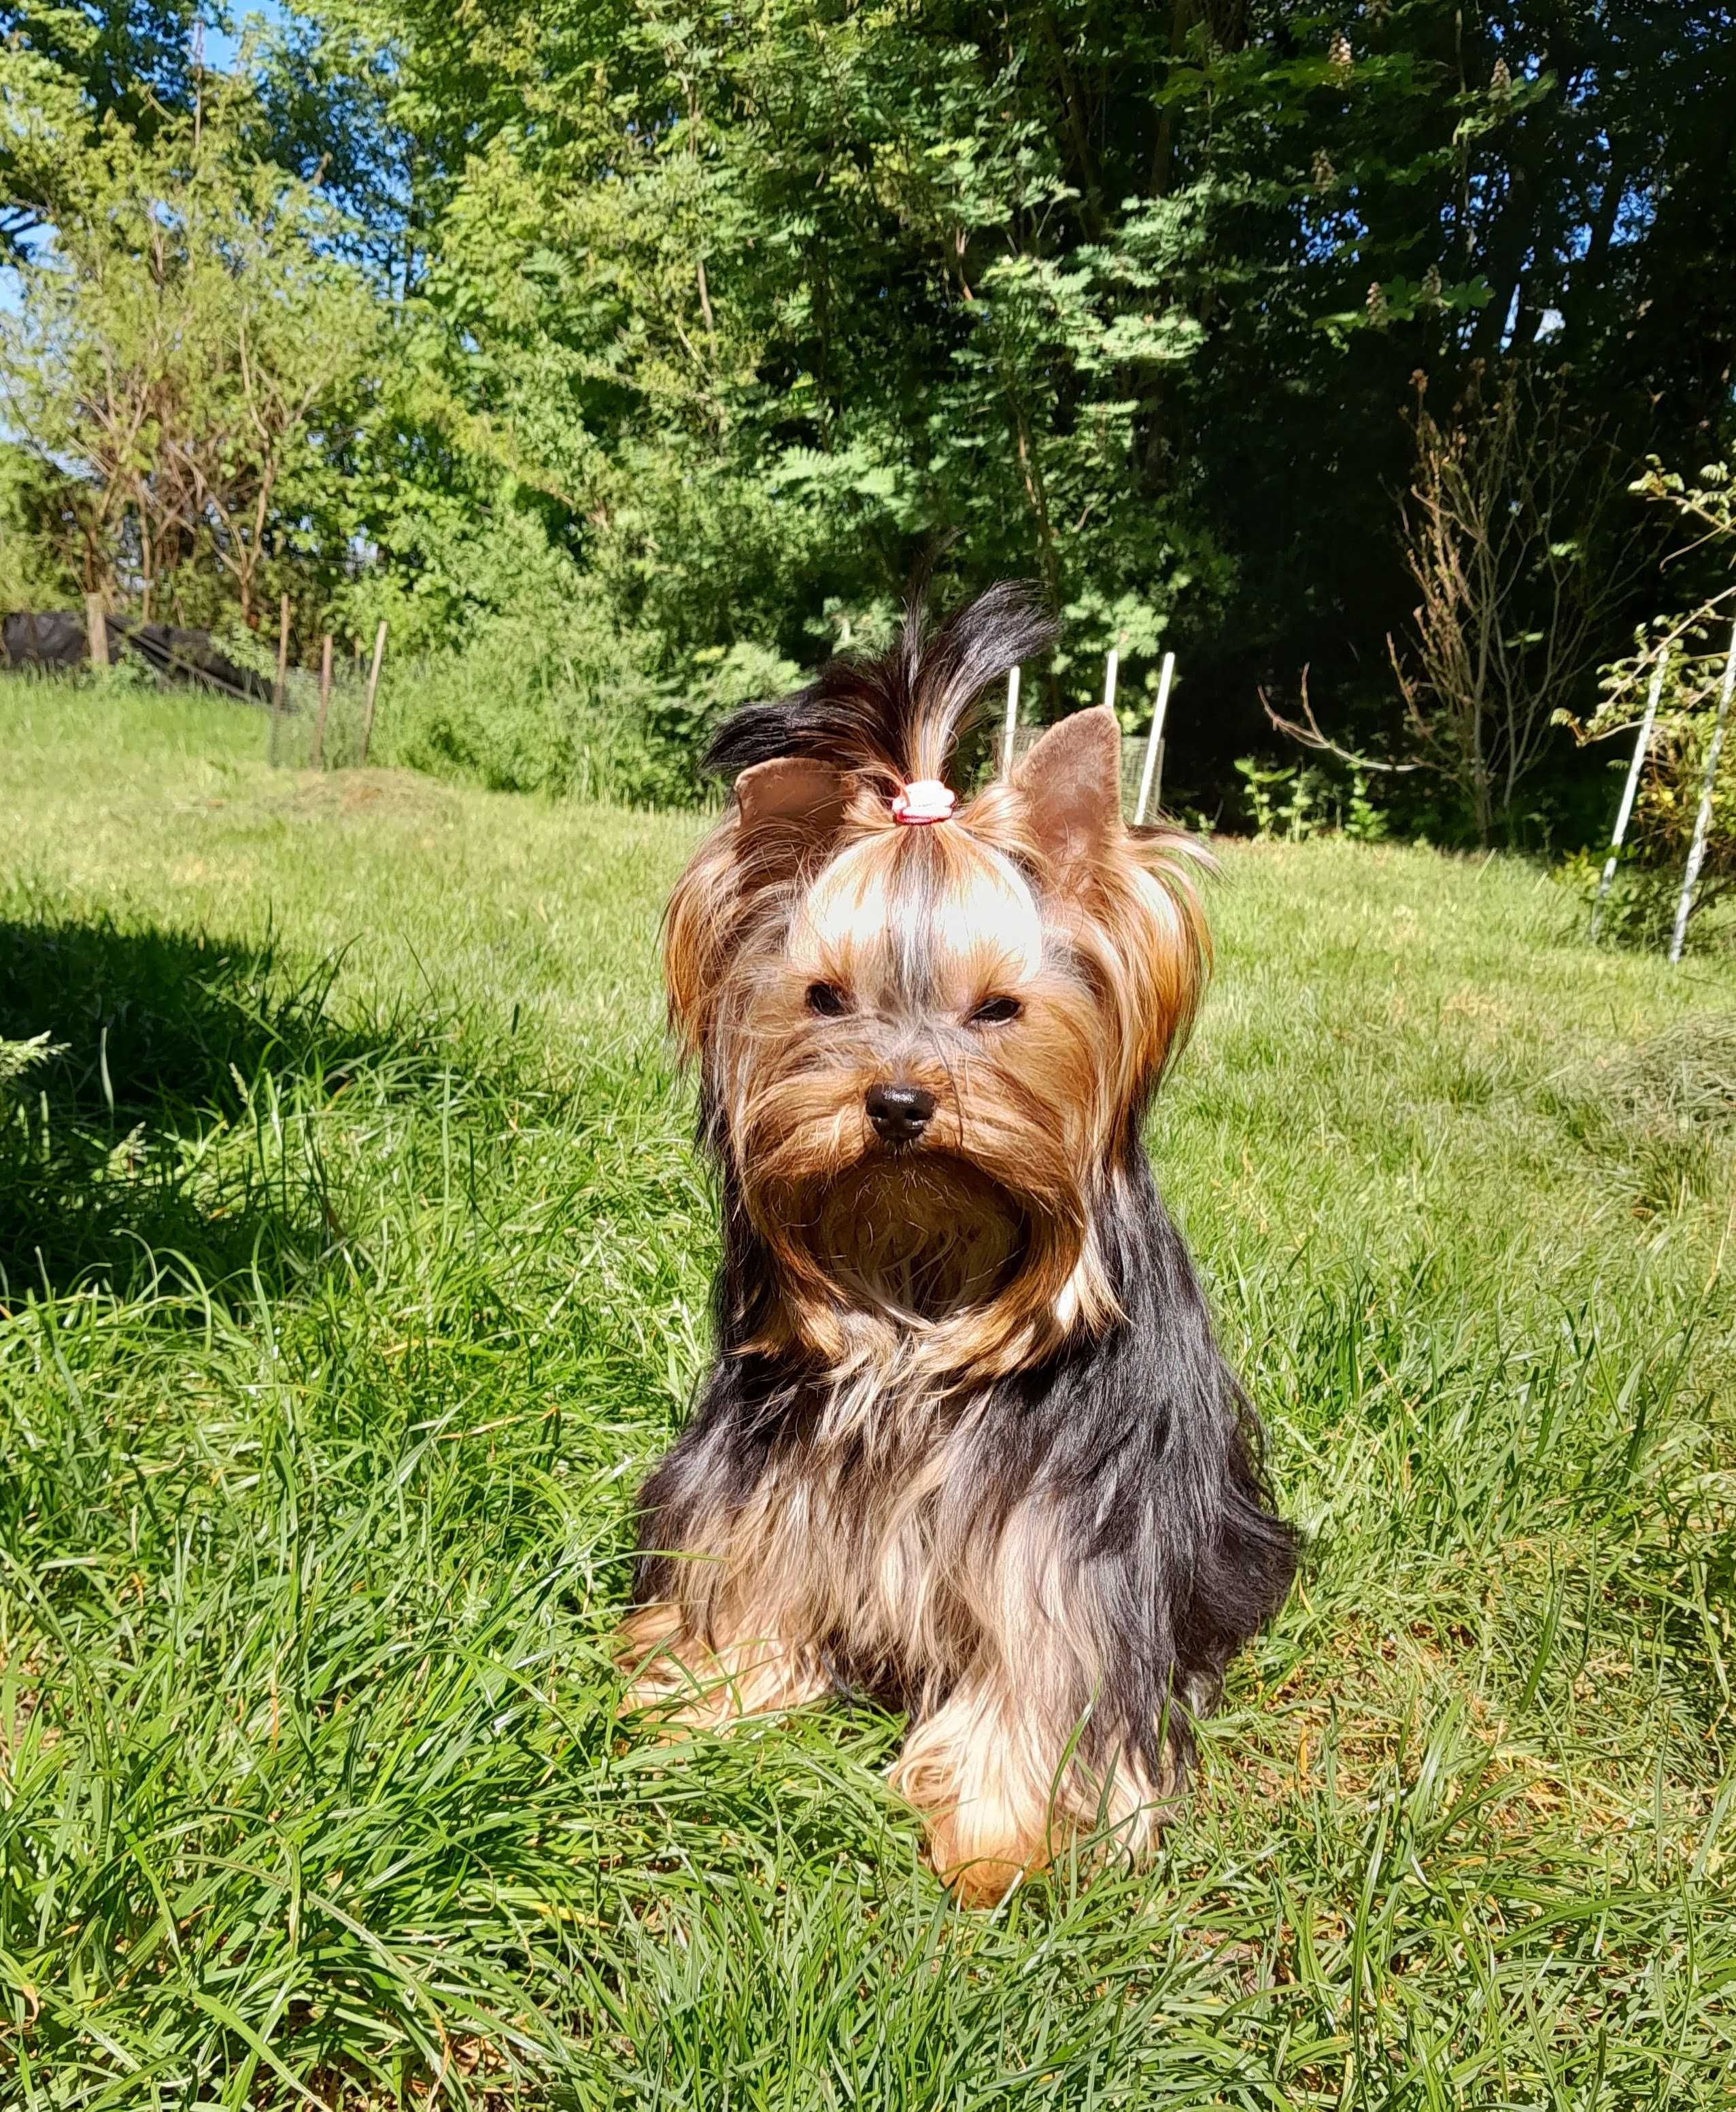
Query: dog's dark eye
[827,999]
[997,1012]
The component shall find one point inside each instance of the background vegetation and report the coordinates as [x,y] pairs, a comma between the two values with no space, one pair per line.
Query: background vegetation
[628,357]
[353,1265]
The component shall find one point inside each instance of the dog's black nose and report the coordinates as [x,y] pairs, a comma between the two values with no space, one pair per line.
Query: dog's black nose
[899,1113]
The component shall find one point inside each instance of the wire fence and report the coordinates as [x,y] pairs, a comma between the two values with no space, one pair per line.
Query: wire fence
[297,741]
[1141,757]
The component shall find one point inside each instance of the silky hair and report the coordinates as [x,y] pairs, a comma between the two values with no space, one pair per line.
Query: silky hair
[1034,893]
[968,1444]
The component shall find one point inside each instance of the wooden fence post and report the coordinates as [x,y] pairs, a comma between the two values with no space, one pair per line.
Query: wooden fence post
[95,630]
[280,685]
[317,760]
[373,684]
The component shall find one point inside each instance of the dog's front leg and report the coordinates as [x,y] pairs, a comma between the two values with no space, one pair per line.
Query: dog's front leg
[725,1626]
[1047,1729]
[747,1668]
[975,1770]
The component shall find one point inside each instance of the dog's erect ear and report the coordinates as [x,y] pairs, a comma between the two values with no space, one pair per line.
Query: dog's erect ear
[792,799]
[1070,783]
[784,809]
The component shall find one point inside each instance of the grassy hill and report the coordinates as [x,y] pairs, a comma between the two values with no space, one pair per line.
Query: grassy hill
[354,1268]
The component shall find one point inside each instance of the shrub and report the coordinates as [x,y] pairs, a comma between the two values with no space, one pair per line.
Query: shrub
[1693,643]
[571,710]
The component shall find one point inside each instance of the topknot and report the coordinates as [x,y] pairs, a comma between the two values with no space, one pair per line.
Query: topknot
[898,718]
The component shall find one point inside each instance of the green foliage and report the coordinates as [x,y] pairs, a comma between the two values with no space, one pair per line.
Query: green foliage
[180,363]
[34,512]
[19,1058]
[521,710]
[567,708]
[131,62]
[1694,642]
[1294,802]
[719,322]
[682,721]
[356,1269]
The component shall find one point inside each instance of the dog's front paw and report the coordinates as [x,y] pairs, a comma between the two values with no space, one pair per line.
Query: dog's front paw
[1004,1794]
[686,1683]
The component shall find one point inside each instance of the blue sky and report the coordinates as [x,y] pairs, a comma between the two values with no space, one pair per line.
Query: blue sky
[221,48]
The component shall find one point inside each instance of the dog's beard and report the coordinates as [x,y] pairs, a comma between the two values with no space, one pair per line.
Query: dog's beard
[918,1236]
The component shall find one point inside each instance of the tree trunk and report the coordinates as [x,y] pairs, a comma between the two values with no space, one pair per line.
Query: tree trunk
[1029,471]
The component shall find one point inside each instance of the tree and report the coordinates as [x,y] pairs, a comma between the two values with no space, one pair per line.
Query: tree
[723,317]
[189,349]
[1502,536]
[67,69]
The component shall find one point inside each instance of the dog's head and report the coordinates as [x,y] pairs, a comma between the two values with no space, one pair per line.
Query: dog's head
[927,1032]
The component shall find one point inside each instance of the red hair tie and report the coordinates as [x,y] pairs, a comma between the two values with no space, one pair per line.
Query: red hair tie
[924,801]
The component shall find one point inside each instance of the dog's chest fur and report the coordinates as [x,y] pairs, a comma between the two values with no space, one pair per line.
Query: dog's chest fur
[882,1519]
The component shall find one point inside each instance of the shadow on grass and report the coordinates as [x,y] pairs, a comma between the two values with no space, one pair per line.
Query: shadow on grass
[174,1113]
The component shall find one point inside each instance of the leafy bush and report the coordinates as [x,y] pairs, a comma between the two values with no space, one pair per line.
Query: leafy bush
[681,722]
[1306,800]
[1642,905]
[33,573]
[1692,644]
[520,710]
[573,710]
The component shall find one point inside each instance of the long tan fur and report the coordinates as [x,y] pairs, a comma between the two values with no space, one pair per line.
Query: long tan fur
[899,1288]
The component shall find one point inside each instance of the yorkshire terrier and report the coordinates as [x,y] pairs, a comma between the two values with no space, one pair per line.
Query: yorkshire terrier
[970,1445]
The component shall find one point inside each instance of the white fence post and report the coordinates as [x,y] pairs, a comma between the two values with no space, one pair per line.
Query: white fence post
[1625,812]
[1154,741]
[1703,819]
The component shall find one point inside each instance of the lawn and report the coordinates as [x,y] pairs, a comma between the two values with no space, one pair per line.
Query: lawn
[355,1266]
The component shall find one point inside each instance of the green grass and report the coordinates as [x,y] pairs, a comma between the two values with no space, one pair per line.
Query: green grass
[355,1264]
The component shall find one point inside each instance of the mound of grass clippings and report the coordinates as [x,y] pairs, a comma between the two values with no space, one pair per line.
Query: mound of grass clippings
[1661,1113]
